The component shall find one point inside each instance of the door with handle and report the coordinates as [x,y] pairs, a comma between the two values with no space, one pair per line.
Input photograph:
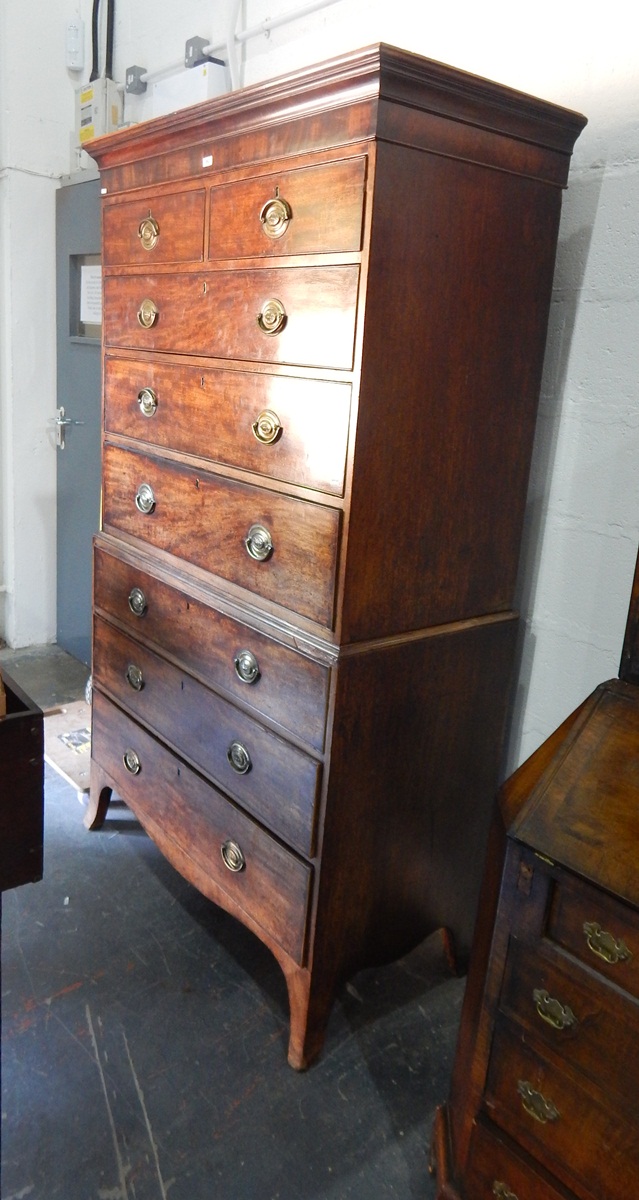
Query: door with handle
[75,427]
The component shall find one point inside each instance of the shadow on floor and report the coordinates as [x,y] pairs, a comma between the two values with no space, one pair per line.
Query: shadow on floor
[144,1036]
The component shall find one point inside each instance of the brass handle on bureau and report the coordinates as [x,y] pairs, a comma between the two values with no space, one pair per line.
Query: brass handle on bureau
[275,216]
[131,762]
[560,1016]
[148,402]
[246,666]
[137,602]
[267,427]
[134,677]
[259,543]
[149,232]
[502,1192]
[239,758]
[536,1105]
[148,313]
[232,856]
[145,499]
[604,945]
[272,317]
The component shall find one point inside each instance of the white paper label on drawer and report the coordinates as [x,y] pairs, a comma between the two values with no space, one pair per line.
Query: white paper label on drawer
[207,161]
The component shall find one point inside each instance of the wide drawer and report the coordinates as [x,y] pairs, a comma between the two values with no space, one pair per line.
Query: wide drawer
[208,520]
[178,807]
[270,778]
[308,314]
[272,679]
[311,210]
[598,930]
[497,1172]
[154,229]
[571,1128]
[295,430]
[593,1025]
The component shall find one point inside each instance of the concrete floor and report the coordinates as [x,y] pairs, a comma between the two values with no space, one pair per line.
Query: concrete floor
[144,1034]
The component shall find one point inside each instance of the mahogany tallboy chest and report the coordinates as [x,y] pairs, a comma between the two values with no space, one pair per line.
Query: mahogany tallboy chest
[544,1101]
[325,309]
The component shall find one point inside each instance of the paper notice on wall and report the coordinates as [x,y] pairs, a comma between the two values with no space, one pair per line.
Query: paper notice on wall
[91,295]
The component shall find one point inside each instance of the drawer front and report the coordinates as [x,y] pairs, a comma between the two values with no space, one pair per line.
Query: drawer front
[495,1172]
[154,229]
[312,210]
[275,782]
[207,520]
[593,1025]
[308,314]
[572,1130]
[295,430]
[600,931]
[178,807]
[276,682]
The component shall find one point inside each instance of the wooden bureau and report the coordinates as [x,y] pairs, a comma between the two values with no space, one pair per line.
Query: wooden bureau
[325,309]
[544,1095]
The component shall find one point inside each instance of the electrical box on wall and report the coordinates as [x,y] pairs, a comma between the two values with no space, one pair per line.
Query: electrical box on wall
[98,109]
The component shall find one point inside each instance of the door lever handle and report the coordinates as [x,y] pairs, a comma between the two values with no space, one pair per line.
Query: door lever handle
[60,421]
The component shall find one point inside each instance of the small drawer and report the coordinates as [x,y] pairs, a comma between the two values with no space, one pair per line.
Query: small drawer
[600,931]
[154,229]
[302,315]
[263,675]
[275,546]
[311,210]
[181,810]
[561,1121]
[273,780]
[592,1024]
[294,430]
[496,1172]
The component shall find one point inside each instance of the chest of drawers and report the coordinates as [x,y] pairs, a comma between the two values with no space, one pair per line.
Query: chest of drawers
[544,1095]
[325,306]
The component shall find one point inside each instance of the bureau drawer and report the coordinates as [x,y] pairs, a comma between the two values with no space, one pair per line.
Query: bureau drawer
[276,681]
[208,520]
[311,210]
[154,229]
[571,1128]
[177,807]
[598,930]
[277,783]
[593,1025]
[497,1172]
[308,314]
[295,430]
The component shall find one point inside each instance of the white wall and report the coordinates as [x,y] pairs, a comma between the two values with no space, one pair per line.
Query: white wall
[583,513]
[34,152]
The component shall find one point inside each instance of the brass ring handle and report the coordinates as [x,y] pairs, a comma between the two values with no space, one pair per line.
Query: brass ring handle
[149,232]
[267,427]
[272,317]
[137,602]
[259,543]
[246,666]
[239,758]
[275,216]
[148,313]
[145,499]
[604,945]
[131,762]
[134,677]
[502,1192]
[148,402]
[232,856]
[559,1015]
[536,1105]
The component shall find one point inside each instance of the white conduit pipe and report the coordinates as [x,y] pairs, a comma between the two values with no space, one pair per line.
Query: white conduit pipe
[229,45]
